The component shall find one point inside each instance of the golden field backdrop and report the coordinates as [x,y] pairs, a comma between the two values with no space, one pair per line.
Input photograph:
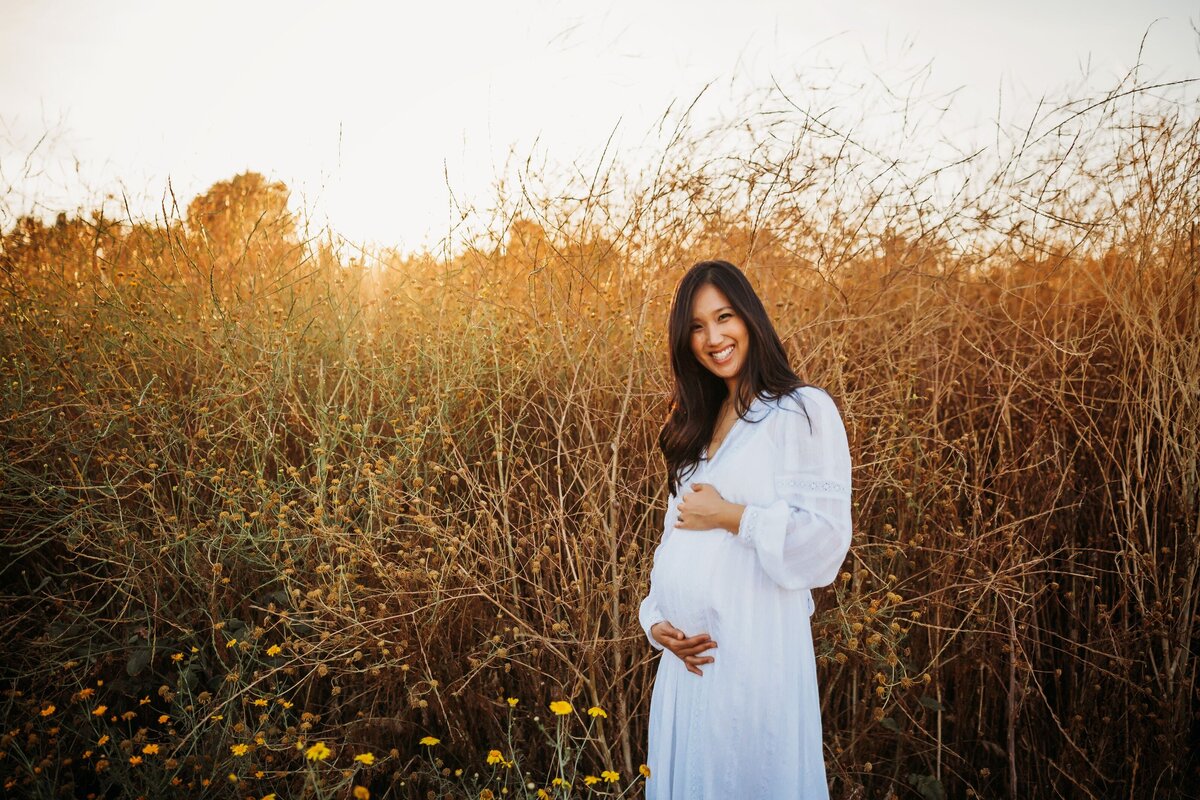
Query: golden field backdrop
[282,516]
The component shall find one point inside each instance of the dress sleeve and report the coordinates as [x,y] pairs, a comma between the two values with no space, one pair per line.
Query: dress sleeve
[649,612]
[650,615]
[802,538]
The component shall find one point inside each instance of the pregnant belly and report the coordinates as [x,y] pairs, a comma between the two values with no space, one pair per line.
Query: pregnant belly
[684,576]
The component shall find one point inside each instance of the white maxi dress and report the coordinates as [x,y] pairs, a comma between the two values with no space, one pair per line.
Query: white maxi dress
[750,726]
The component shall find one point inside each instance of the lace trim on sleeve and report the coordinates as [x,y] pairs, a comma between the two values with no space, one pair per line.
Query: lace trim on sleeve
[746,528]
[801,484]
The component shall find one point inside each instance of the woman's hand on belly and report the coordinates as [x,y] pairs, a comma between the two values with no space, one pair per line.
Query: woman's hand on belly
[687,648]
[704,509]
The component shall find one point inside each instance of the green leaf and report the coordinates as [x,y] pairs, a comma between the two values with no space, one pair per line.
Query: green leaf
[138,661]
[890,724]
[191,676]
[932,702]
[929,786]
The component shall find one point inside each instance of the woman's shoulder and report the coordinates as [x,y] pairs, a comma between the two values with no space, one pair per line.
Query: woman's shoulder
[805,417]
[804,400]
[805,411]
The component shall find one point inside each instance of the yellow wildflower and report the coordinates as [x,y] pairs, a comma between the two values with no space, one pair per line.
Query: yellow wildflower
[362,793]
[103,741]
[318,752]
[84,694]
[495,757]
[590,779]
[365,758]
[644,770]
[430,740]
[231,643]
[561,707]
[144,701]
[597,711]
[135,760]
[260,701]
[150,749]
[610,776]
[512,702]
[487,794]
[48,710]
[270,796]
[274,650]
[164,719]
[233,778]
[239,749]
[177,657]
[543,794]
[99,712]
[284,703]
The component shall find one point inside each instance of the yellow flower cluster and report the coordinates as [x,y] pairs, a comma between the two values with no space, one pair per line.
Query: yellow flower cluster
[318,752]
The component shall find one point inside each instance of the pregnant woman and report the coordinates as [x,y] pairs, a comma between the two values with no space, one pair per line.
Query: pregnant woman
[758,468]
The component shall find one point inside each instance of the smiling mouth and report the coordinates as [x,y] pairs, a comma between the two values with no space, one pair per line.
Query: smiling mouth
[722,356]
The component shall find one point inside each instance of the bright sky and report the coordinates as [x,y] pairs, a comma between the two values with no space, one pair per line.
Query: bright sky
[366,110]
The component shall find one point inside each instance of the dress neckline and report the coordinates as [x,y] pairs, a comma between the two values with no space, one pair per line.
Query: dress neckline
[731,438]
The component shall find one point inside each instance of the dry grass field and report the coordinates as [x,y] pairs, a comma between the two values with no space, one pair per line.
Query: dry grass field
[280,516]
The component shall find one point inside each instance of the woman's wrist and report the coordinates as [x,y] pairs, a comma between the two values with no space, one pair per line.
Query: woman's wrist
[733,517]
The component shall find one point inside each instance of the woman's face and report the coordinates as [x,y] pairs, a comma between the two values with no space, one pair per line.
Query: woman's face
[720,340]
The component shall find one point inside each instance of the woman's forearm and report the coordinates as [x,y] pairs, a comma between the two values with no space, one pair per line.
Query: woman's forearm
[731,519]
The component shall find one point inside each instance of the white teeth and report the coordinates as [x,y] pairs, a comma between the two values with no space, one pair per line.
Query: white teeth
[723,355]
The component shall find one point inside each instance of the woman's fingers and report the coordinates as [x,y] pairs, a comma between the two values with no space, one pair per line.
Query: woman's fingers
[691,658]
[696,648]
[693,641]
[687,648]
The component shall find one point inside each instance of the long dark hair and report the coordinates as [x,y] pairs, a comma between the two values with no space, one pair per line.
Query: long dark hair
[697,394]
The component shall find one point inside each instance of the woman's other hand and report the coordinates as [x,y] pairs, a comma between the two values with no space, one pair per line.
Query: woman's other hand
[687,648]
[703,509]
